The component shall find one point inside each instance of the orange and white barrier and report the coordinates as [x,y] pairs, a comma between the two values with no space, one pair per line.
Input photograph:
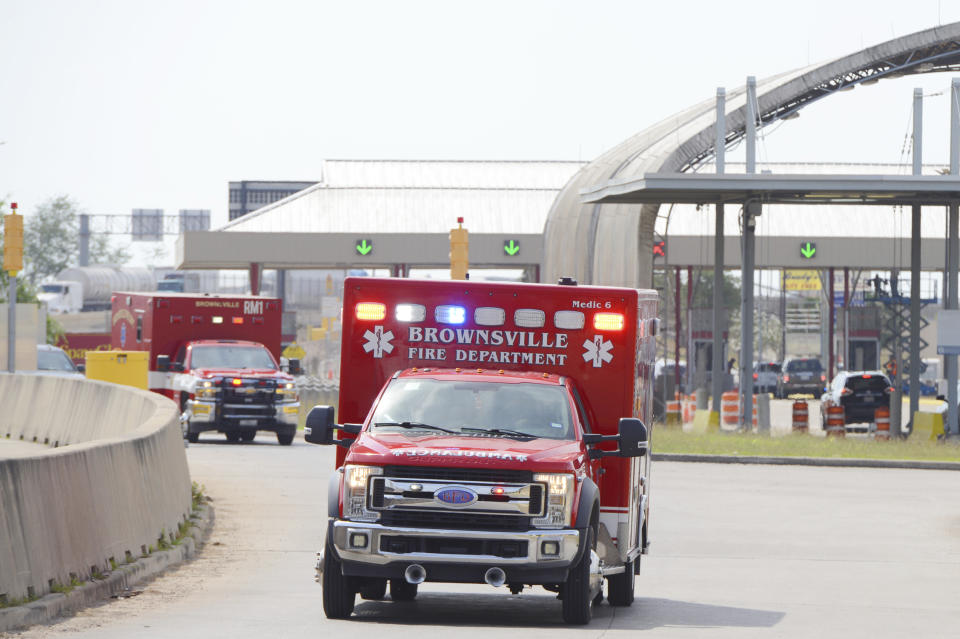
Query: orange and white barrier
[673,410]
[801,416]
[730,408]
[881,417]
[835,423]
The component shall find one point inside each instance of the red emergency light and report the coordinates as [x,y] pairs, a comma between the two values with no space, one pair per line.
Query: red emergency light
[608,321]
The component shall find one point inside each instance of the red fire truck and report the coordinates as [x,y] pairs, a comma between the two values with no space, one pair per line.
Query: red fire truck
[490,433]
[217,357]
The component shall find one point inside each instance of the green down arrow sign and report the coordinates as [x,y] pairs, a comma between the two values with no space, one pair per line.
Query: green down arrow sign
[808,250]
[364,246]
[511,247]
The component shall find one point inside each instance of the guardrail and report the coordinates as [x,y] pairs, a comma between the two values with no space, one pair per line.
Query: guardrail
[112,482]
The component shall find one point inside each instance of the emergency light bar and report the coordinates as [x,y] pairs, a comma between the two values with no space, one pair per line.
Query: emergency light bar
[489,316]
[529,317]
[410,312]
[449,314]
[374,311]
[608,321]
[570,320]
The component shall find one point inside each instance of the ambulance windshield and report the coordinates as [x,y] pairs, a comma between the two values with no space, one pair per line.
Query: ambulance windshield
[231,356]
[536,410]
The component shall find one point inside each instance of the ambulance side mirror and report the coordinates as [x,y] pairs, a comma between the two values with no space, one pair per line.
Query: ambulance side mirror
[633,437]
[319,426]
[163,363]
[293,367]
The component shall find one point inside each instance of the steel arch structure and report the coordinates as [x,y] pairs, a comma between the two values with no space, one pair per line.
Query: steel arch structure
[611,244]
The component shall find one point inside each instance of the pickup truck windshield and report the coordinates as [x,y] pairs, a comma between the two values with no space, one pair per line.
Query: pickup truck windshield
[536,410]
[51,288]
[217,356]
[54,361]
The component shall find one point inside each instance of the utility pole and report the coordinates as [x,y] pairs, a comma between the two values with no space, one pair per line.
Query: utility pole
[12,263]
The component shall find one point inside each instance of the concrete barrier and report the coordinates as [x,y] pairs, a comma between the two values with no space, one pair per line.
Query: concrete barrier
[114,480]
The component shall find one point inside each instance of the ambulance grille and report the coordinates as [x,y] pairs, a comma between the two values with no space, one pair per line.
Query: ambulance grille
[493,475]
[454,520]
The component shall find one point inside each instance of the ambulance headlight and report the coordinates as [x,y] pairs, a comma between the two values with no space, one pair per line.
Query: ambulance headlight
[559,499]
[286,392]
[356,483]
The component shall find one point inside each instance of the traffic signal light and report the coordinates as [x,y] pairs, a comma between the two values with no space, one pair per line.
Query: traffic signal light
[459,252]
[13,242]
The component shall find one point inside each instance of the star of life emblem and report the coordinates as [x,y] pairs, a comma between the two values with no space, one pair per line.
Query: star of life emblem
[378,342]
[597,351]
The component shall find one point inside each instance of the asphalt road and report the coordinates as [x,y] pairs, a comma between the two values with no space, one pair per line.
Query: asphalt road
[738,551]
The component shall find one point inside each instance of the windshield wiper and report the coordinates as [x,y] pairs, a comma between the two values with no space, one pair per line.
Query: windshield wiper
[419,425]
[505,432]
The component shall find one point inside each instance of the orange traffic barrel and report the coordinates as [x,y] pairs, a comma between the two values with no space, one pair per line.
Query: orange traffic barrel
[881,417]
[673,410]
[689,407]
[729,407]
[754,420]
[835,425]
[801,416]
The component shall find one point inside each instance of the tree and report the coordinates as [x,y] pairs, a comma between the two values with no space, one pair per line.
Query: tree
[50,238]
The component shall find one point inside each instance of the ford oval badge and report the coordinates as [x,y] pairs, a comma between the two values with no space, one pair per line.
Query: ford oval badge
[456,496]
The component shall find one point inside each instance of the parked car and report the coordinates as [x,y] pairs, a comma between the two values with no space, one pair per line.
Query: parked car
[860,393]
[765,377]
[801,376]
[53,361]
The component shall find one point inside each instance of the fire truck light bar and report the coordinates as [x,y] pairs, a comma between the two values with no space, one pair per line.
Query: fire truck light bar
[410,312]
[570,320]
[449,314]
[529,318]
[373,311]
[236,381]
[608,321]
[489,316]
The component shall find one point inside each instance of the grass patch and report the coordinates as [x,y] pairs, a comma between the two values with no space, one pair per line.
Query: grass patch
[673,440]
[12,603]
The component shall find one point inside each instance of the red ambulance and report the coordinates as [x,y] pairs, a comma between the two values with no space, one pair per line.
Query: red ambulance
[489,433]
[217,356]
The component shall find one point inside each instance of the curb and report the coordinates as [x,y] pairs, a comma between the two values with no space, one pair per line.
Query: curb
[116,581]
[808,461]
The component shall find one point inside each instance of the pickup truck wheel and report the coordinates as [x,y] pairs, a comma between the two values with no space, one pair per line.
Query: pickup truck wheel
[188,434]
[338,591]
[577,602]
[620,587]
[285,438]
[233,436]
[248,435]
[400,590]
[374,589]
[192,437]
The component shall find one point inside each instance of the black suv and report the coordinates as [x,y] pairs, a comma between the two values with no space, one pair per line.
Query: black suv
[860,393]
[801,375]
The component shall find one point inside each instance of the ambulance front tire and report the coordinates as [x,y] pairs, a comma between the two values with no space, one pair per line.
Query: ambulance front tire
[575,592]
[339,592]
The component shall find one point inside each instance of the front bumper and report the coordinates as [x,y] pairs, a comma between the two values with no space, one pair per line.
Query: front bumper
[452,555]
[205,412]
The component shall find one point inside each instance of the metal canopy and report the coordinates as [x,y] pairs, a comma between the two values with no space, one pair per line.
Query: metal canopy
[882,190]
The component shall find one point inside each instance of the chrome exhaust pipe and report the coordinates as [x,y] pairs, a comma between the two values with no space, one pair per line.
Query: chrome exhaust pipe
[415,574]
[495,577]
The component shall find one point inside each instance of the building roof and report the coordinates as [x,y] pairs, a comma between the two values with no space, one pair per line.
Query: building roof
[418,196]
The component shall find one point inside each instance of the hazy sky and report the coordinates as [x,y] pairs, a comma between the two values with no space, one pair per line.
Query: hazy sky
[136,104]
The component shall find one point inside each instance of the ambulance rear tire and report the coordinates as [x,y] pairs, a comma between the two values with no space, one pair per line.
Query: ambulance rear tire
[401,590]
[620,588]
[285,437]
[339,594]
[575,592]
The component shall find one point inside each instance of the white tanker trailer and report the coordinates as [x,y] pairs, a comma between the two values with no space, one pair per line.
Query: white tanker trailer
[88,288]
